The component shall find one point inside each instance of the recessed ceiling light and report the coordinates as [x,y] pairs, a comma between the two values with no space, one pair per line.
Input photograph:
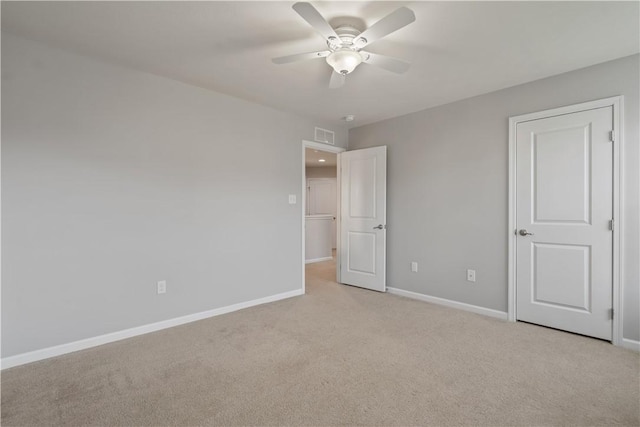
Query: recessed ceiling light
[321,160]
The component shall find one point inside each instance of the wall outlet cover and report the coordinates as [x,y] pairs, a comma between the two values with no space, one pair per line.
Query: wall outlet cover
[471,275]
[162,287]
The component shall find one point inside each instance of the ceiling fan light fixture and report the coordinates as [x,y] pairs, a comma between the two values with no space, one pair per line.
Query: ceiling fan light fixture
[346,41]
[344,61]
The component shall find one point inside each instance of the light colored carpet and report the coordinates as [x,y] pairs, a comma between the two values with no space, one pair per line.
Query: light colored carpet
[338,355]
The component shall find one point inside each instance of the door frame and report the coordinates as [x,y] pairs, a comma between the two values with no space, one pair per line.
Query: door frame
[329,149]
[617,103]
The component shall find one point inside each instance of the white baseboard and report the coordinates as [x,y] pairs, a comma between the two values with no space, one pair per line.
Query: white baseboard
[58,350]
[449,303]
[310,261]
[630,344]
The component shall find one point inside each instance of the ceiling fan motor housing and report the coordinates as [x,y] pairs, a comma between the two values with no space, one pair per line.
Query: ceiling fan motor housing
[346,38]
[345,56]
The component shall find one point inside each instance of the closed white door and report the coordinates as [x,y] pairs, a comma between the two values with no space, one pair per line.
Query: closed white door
[363,183]
[322,196]
[322,200]
[564,206]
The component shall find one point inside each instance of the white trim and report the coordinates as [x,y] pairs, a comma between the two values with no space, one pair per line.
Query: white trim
[338,217]
[511,265]
[331,149]
[58,350]
[630,344]
[449,303]
[617,103]
[618,209]
[322,147]
[311,261]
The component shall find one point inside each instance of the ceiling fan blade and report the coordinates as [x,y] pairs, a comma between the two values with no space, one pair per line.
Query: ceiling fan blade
[300,57]
[313,17]
[388,63]
[337,80]
[387,25]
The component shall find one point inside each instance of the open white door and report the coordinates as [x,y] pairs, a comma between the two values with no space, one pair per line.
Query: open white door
[363,209]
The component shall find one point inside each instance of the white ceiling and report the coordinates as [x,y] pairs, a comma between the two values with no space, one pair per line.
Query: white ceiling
[312,158]
[458,49]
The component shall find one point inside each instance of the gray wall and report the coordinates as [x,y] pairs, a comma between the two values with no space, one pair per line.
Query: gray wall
[448,181]
[324,172]
[113,179]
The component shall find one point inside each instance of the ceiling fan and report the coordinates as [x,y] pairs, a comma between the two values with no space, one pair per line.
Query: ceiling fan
[345,43]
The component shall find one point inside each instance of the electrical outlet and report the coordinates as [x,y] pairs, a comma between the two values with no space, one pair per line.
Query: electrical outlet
[471,275]
[292,199]
[162,287]
[414,266]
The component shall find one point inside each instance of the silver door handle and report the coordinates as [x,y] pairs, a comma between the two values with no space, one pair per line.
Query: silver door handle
[380,227]
[524,232]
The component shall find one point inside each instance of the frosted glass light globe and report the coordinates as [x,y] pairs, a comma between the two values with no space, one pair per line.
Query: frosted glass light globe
[344,61]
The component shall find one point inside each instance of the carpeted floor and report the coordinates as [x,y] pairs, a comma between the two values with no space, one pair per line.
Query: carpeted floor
[338,355]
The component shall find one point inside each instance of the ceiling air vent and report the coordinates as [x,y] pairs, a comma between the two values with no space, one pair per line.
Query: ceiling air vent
[325,136]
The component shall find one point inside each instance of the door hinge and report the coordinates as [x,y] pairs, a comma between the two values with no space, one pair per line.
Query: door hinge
[612,136]
[611,224]
[611,313]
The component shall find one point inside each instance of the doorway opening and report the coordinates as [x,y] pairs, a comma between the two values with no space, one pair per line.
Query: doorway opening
[320,207]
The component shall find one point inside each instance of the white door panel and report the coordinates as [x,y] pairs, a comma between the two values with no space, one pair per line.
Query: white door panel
[361,252]
[362,188]
[564,198]
[561,180]
[321,196]
[566,264]
[322,199]
[363,218]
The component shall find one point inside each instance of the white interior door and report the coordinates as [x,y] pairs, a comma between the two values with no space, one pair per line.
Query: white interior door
[322,198]
[564,249]
[363,206]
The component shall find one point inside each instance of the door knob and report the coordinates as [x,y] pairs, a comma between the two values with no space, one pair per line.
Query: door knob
[524,232]
[379,227]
